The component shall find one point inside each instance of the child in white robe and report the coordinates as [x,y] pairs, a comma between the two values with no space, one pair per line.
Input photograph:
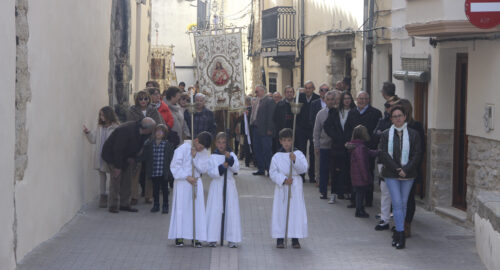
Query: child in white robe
[181,221]
[224,161]
[279,173]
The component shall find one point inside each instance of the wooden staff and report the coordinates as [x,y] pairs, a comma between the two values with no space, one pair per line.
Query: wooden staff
[191,108]
[295,108]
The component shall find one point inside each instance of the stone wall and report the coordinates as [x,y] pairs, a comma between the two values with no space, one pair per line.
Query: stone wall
[482,171]
[440,167]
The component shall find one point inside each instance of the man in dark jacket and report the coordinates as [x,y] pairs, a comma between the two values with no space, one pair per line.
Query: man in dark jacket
[304,129]
[283,117]
[119,152]
[261,121]
[368,117]
[204,119]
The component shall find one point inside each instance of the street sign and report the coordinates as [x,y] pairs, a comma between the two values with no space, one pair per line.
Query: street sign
[483,13]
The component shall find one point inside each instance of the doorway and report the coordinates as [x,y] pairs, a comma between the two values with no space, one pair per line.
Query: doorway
[460,136]
[420,115]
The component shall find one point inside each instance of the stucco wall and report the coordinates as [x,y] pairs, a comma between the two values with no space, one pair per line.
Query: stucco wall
[139,47]
[487,242]
[68,59]
[7,133]
[435,10]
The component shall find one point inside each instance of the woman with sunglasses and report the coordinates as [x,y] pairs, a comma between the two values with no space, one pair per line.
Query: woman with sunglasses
[400,153]
[141,109]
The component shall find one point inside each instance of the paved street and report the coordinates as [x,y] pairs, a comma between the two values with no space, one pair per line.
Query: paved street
[95,239]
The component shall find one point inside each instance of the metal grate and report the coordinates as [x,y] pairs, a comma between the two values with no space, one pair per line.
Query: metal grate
[415,64]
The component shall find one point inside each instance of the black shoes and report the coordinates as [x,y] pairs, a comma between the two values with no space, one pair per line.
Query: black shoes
[280,243]
[323,197]
[399,240]
[197,244]
[179,242]
[155,208]
[128,209]
[259,173]
[352,205]
[362,214]
[164,209]
[341,197]
[295,243]
[382,226]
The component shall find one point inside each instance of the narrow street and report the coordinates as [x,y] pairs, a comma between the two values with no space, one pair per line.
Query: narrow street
[96,239]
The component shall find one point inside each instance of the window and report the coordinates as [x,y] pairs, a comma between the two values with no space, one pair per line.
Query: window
[273,81]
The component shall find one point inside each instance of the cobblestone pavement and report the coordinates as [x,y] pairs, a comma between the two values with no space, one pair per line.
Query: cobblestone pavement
[95,239]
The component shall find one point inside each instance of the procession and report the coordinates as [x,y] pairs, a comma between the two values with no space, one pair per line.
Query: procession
[249,134]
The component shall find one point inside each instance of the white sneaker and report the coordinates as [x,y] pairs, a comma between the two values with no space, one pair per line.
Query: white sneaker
[332,199]
[232,245]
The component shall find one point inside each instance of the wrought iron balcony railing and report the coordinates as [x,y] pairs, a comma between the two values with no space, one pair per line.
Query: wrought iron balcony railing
[278,27]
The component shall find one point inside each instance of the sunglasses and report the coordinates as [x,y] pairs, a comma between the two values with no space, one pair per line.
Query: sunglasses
[323,89]
[143,99]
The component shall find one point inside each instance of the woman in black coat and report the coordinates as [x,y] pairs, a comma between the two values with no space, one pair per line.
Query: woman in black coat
[339,126]
[400,153]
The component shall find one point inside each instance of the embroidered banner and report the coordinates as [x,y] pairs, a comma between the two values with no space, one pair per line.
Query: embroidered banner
[220,70]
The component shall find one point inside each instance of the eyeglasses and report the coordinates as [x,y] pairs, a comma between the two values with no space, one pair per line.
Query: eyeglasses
[310,88]
[397,116]
[323,89]
[143,99]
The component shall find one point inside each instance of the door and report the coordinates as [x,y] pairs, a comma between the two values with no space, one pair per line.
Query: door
[420,115]
[460,137]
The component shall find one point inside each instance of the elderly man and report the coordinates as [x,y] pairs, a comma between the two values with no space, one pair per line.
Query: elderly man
[203,118]
[261,121]
[119,152]
[277,97]
[283,117]
[369,117]
[339,85]
[323,145]
[316,106]
[305,126]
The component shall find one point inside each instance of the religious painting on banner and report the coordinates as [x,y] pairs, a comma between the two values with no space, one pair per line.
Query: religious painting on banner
[220,70]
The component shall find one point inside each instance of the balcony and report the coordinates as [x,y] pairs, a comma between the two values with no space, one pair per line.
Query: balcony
[278,34]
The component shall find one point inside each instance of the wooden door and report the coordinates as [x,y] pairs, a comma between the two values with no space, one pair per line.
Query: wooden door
[420,115]
[460,136]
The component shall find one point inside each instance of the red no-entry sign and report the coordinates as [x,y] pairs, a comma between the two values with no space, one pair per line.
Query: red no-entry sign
[483,13]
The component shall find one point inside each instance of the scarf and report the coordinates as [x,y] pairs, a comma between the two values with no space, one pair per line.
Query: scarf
[405,152]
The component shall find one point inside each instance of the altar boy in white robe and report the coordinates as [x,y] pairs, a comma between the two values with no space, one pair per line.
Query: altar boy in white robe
[224,161]
[181,221]
[279,173]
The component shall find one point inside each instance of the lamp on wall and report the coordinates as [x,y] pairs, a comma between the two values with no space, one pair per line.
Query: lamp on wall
[139,2]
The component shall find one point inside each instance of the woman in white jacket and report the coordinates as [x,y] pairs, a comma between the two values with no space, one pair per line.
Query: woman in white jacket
[107,123]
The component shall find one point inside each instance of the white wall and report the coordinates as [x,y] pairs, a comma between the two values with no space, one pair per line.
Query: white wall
[380,74]
[68,52]
[487,242]
[173,18]
[7,133]
[482,87]
[139,47]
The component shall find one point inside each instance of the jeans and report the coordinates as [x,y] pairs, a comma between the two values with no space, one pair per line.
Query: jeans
[262,147]
[324,170]
[410,209]
[400,190]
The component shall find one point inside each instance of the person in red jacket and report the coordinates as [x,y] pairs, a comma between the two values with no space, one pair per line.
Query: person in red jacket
[162,108]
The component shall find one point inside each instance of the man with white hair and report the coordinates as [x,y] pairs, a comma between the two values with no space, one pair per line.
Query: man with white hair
[277,97]
[262,124]
[305,127]
[119,152]
[369,118]
[204,119]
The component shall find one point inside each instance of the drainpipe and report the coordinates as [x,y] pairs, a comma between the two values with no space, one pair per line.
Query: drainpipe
[365,62]
[302,44]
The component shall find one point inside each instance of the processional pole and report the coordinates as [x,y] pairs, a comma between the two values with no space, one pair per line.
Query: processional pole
[191,108]
[295,108]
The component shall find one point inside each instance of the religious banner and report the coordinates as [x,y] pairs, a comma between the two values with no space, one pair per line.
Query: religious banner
[220,70]
[162,67]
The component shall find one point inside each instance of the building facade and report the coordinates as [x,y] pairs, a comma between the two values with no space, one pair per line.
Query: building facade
[292,41]
[446,66]
[56,60]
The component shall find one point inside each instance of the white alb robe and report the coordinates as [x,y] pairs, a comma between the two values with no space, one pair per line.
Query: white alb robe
[181,221]
[279,172]
[232,222]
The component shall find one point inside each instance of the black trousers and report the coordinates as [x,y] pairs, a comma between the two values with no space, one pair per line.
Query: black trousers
[302,137]
[369,191]
[360,193]
[160,182]
[341,178]
[246,152]
[410,206]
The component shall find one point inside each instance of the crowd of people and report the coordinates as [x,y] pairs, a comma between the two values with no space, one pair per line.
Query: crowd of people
[338,142]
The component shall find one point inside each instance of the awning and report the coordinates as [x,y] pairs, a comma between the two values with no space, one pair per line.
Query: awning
[415,76]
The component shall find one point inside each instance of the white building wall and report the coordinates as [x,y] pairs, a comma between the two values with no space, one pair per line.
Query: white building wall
[139,47]
[7,133]
[68,52]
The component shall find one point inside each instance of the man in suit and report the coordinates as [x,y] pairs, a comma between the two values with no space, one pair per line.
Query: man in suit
[261,121]
[369,118]
[316,106]
[304,132]
[283,117]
